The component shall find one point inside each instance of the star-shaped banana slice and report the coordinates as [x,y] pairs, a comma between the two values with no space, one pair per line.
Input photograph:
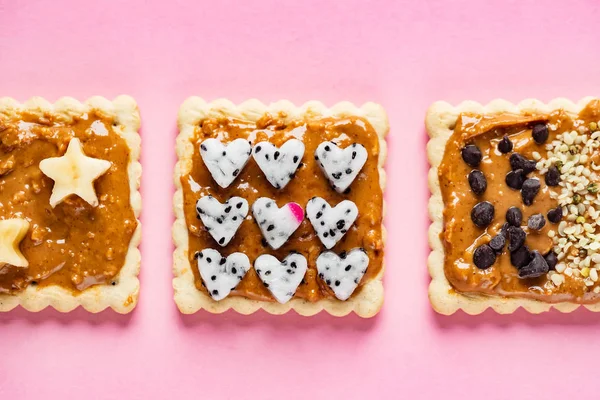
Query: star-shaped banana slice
[74,173]
[12,231]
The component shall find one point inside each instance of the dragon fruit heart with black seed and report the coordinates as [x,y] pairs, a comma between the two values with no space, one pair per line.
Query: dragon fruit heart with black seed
[331,224]
[281,278]
[225,162]
[341,166]
[342,273]
[222,220]
[221,274]
[279,164]
[277,224]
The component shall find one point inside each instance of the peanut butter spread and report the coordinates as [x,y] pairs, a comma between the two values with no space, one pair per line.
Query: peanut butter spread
[73,245]
[308,182]
[461,236]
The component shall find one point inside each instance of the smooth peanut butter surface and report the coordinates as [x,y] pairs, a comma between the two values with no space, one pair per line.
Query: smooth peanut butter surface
[461,236]
[308,182]
[73,245]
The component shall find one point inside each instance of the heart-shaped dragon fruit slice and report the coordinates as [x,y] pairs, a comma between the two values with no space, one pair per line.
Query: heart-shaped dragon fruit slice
[341,166]
[221,274]
[279,164]
[222,220]
[277,224]
[342,273]
[281,278]
[225,162]
[331,224]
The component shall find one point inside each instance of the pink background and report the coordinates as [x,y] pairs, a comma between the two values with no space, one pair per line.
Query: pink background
[403,54]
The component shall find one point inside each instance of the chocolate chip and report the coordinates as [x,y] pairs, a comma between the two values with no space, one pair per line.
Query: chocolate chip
[505,145]
[477,181]
[530,189]
[536,267]
[520,257]
[552,177]
[516,237]
[517,161]
[497,243]
[551,260]
[484,257]
[471,155]
[482,214]
[536,222]
[514,216]
[555,215]
[515,179]
[540,133]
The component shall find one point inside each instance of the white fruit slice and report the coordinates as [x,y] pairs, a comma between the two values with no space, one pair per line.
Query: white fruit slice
[222,220]
[281,278]
[342,273]
[341,166]
[277,224]
[221,274]
[74,173]
[225,162]
[12,232]
[279,164]
[331,224]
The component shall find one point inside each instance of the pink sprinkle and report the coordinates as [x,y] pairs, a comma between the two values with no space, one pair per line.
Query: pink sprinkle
[296,210]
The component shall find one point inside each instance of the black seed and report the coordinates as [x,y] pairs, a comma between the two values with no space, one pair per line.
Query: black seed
[199,254]
[336,175]
[331,232]
[266,285]
[325,234]
[520,257]
[295,159]
[505,145]
[348,267]
[239,205]
[215,292]
[222,240]
[234,270]
[316,157]
[201,211]
[530,189]
[340,224]
[514,216]
[555,215]
[515,179]
[328,282]
[220,220]
[319,214]
[536,222]
[213,278]
[223,261]
[291,176]
[536,267]
[551,260]
[257,149]
[348,171]
[516,237]
[227,209]
[540,133]
[293,264]
[268,272]
[268,205]
[327,148]
[203,147]
[497,243]
[276,155]
[236,172]
[353,155]
[264,242]
[471,155]
[552,177]
[348,211]
[270,228]
[477,181]
[208,260]
[484,257]
[337,283]
[322,223]
[482,214]
[224,153]
[289,271]
[517,161]
[234,218]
